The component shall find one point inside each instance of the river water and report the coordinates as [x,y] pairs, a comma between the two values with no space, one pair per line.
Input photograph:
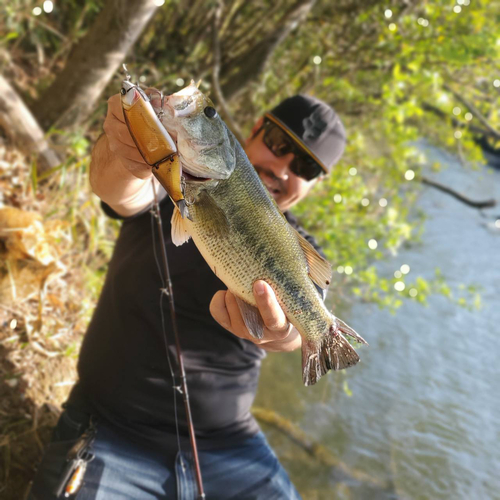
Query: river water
[423,420]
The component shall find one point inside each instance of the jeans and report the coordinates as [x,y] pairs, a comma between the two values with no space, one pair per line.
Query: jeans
[126,470]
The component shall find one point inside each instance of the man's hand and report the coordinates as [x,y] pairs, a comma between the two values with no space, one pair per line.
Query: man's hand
[279,334]
[121,142]
[118,173]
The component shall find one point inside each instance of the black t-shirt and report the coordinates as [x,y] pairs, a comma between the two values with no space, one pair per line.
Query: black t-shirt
[124,375]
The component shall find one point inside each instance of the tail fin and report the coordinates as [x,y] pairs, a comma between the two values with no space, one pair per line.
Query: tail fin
[333,352]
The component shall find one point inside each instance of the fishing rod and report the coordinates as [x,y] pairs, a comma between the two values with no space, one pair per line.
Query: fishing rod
[141,120]
[183,388]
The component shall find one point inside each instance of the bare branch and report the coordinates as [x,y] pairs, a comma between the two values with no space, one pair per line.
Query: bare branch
[458,196]
[492,131]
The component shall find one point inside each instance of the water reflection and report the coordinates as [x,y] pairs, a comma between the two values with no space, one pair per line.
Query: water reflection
[423,418]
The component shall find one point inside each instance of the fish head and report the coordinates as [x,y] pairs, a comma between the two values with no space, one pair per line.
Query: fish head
[203,142]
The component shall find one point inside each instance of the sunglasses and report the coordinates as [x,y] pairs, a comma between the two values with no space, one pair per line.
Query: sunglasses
[280,144]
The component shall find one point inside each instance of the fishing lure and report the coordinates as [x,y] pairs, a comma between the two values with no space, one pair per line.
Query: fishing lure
[152,140]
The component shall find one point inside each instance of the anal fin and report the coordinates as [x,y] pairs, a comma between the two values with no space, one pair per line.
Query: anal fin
[252,318]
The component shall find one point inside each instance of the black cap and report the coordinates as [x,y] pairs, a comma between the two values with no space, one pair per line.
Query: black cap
[314,126]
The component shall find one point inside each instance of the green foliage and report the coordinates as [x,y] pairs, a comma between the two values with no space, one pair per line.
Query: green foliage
[382,79]
[424,69]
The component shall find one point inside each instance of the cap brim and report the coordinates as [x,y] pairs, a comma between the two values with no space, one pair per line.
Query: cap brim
[299,143]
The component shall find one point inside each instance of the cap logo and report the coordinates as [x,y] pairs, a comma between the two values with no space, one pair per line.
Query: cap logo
[314,125]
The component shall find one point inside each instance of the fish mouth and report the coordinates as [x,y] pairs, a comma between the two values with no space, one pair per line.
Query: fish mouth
[193,178]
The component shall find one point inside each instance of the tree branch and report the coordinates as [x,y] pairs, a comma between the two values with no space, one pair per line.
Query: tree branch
[22,128]
[457,123]
[492,131]
[458,196]
[226,115]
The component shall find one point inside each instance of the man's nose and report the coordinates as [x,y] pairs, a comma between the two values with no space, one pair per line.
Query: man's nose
[281,167]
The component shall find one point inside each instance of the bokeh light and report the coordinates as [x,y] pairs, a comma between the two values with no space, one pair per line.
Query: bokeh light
[317,60]
[457,134]
[405,268]
[37,11]
[409,175]
[372,244]
[348,270]
[382,202]
[179,82]
[468,116]
[413,292]
[399,286]
[388,13]
[456,110]
[353,171]
[365,202]
[398,274]
[457,9]
[392,27]
[159,3]
[340,269]
[337,198]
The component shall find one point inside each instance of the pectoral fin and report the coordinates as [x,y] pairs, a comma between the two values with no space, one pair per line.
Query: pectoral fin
[320,270]
[214,219]
[252,318]
[179,231]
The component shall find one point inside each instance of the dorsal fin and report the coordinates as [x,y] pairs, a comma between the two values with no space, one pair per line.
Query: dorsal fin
[179,232]
[320,270]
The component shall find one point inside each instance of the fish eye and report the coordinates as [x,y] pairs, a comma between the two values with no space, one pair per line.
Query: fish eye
[210,112]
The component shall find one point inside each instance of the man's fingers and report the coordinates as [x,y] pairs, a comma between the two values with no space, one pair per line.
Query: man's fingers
[115,108]
[238,326]
[218,309]
[270,310]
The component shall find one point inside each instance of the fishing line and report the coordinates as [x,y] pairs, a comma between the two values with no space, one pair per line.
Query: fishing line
[154,214]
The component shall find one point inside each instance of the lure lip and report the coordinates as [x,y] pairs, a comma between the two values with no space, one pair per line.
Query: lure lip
[129,94]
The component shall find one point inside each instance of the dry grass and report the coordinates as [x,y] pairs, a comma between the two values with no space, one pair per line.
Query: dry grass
[54,246]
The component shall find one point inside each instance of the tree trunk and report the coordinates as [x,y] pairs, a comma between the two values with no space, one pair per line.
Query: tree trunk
[22,128]
[92,63]
[236,75]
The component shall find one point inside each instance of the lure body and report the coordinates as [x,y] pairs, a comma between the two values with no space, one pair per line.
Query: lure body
[153,141]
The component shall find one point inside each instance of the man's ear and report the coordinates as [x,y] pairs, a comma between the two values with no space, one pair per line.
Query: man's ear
[255,129]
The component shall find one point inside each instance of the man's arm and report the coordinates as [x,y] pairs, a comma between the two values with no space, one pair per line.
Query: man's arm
[118,174]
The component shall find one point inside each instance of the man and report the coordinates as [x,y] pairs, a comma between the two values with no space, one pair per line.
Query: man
[126,368]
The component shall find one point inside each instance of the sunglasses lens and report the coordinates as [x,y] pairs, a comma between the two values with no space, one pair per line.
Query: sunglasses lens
[280,144]
[307,169]
[277,141]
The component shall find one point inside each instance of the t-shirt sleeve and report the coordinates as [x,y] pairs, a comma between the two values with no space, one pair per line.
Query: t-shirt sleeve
[114,215]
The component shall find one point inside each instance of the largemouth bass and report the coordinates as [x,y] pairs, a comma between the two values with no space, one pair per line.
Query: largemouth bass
[244,237]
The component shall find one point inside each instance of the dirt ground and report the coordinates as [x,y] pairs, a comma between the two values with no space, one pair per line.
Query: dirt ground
[32,389]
